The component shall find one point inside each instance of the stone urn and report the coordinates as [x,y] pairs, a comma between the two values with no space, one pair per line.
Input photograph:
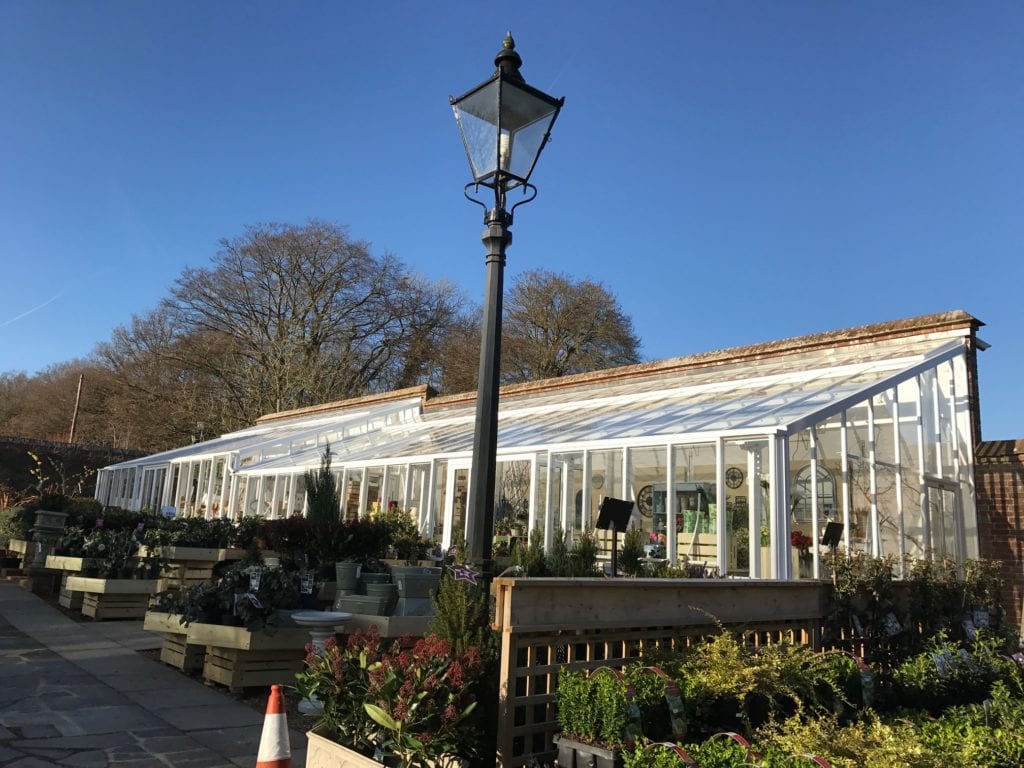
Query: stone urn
[46,531]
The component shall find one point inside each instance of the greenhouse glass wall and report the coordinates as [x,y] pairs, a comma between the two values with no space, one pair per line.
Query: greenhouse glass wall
[736,459]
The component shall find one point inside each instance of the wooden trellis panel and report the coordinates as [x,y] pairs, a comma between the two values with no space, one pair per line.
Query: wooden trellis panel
[548,625]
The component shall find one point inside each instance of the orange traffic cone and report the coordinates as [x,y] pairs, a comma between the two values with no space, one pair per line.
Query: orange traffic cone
[275,751]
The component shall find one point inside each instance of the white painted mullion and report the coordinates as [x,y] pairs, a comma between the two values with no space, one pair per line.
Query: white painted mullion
[549,507]
[364,494]
[671,545]
[898,460]
[954,436]
[844,465]
[815,533]
[937,434]
[721,529]
[210,481]
[926,515]
[755,509]
[407,493]
[876,529]
[566,500]
[586,525]
[531,514]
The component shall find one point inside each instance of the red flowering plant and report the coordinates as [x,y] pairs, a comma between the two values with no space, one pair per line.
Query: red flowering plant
[387,697]
[422,698]
[339,677]
[801,541]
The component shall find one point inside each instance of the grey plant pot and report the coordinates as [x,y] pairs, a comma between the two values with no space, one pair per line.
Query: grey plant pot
[347,575]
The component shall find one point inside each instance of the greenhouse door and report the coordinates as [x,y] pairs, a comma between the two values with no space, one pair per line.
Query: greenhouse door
[456,493]
[944,520]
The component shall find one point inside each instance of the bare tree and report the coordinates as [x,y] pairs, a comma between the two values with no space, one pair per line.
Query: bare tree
[556,326]
[301,315]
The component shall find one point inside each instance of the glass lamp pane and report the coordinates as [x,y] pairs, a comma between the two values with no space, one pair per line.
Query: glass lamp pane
[477,116]
[513,136]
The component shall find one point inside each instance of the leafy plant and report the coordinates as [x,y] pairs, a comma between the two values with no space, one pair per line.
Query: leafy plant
[15,523]
[422,699]
[338,678]
[596,708]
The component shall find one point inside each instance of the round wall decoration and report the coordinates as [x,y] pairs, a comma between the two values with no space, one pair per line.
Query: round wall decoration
[734,477]
[645,500]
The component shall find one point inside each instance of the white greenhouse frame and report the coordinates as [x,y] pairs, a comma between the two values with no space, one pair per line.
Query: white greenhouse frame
[888,411]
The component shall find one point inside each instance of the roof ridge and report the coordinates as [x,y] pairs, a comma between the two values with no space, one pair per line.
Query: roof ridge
[841,337]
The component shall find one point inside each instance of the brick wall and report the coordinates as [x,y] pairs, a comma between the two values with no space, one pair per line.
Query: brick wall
[999,479]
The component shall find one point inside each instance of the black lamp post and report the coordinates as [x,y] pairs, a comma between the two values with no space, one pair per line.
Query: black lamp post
[505,124]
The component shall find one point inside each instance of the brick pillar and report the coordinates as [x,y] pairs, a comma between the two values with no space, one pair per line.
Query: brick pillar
[999,480]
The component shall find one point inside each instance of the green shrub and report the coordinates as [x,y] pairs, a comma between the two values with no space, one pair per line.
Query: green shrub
[583,556]
[530,559]
[558,558]
[322,491]
[15,523]
[631,558]
[869,743]
[594,708]
[950,673]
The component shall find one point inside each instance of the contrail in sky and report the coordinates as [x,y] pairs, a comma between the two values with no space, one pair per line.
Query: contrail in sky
[28,312]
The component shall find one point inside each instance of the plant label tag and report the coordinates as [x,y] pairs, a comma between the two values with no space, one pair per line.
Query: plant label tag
[867,687]
[969,629]
[892,624]
[943,663]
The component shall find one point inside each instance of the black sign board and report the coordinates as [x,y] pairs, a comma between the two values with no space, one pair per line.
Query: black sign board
[614,514]
[832,535]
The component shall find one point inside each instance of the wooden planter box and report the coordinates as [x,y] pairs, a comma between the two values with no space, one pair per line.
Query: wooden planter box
[324,753]
[70,566]
[238,658]
[112,598]
[175,650]
[186,566]
[21,548]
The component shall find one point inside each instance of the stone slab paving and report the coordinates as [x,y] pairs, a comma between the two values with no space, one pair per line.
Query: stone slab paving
[78,695]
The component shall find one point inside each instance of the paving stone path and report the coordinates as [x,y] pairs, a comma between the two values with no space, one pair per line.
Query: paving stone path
[74,694]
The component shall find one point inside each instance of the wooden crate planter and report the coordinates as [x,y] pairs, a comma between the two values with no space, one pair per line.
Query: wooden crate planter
[187,566]
[175,649]
[112,598]
[70,566]
[21,548]
[238,658]
[324,753]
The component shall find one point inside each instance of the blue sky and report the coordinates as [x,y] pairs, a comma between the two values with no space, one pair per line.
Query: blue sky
[735,172]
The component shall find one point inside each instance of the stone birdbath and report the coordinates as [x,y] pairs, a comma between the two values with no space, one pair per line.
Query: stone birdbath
[321,625]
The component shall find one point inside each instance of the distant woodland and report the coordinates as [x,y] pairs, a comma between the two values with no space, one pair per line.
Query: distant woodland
[287,316]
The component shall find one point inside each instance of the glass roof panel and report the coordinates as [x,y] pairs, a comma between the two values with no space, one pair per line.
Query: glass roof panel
[764,396]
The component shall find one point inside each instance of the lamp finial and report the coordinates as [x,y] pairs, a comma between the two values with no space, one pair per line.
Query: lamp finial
[508,61]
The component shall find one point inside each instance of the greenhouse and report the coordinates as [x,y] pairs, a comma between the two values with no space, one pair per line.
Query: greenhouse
[736,459]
